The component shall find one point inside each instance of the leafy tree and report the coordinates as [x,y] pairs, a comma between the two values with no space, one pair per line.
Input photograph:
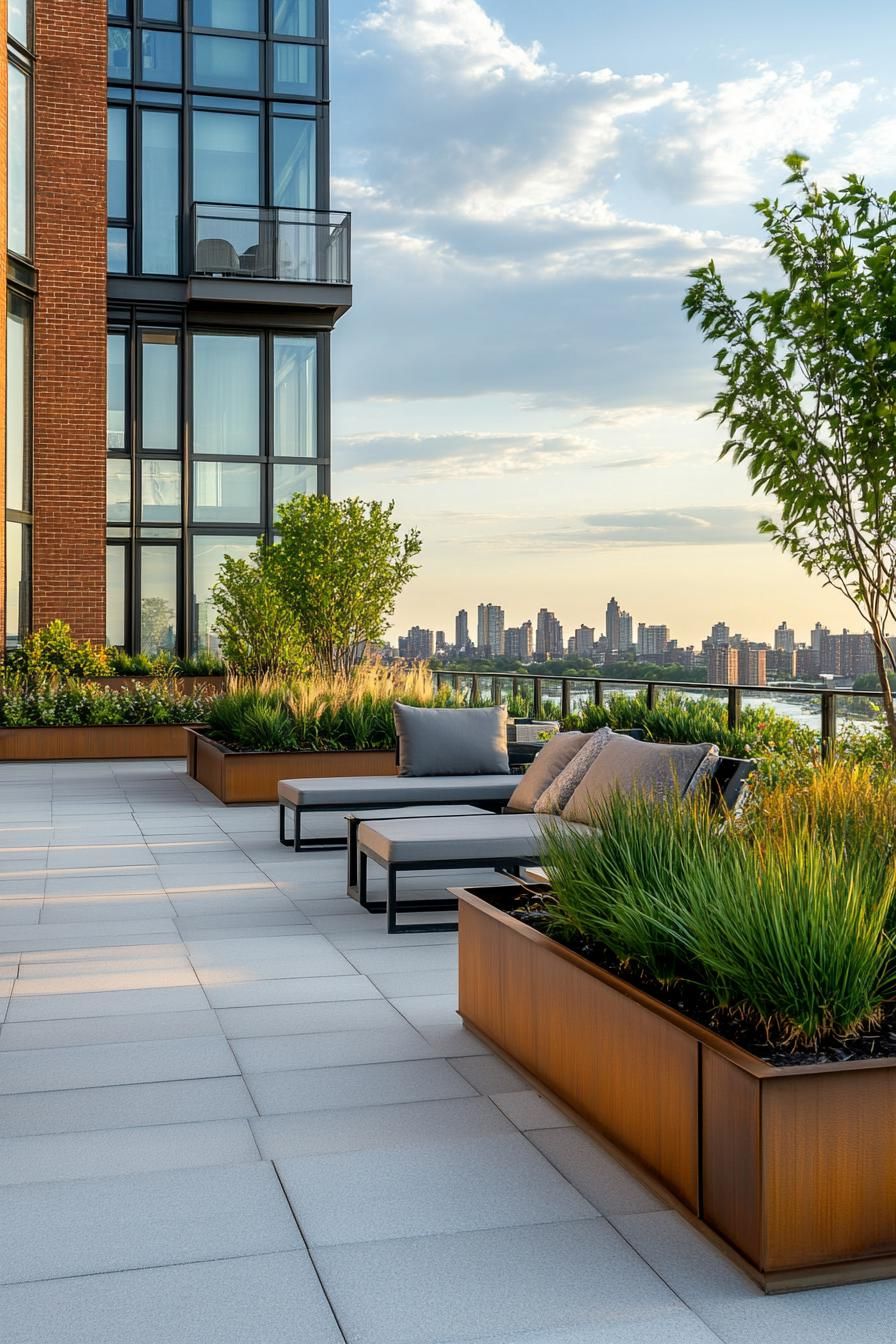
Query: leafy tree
[338,567]
[809,396]
[259,634]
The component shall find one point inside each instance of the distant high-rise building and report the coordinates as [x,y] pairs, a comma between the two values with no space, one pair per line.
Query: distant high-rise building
[781,664]
[816,635]
[461,631]
[441,643]
[612,626]
[416,645]
[490,629]
[722,665]
[653,640]
[548,635]
[583,642]
[785,639]
[626,632]
[751,669]
[518,642]
[720,634]
[526,641]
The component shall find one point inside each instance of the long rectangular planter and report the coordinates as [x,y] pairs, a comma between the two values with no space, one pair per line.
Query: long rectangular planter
[252,777]
[791,1170]
[212,685]
[121,742]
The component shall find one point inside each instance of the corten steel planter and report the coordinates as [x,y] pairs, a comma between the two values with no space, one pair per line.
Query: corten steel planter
[129,742]
[253,776]
[189,685]
[792,1171]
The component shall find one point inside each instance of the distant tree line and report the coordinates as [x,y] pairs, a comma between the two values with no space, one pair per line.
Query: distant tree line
[572,667]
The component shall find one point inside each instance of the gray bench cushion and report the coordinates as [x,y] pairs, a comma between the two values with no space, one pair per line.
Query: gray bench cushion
[354,791]
[434,742]
[443,810]
[435,840]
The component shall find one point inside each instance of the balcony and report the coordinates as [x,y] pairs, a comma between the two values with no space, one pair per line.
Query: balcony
[259,254]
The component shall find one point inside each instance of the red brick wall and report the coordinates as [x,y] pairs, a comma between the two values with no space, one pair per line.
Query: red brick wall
[70,315]
[3,175]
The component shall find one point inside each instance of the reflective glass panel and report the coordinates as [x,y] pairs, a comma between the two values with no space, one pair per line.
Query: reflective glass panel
[295,166]
[118,489]
[295,69]
[226,63]
[295,18]
[208,556]
[18,583]
[226,492]
[295,396]
[116,386]
[18,412]
[160,173]
[117,251]
[116,588]
[161,388]
[291,478]
[158,598]
[241,15]
[118,9]
[119,55]
[163,11]
[159,491]
[160,56]
[226,404]
[226,158]
[17,20]
[18,177]
[117,177]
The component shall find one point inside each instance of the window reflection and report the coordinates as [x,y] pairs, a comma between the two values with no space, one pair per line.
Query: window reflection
[295,396]
[295,69]
[226,158]
[160,491]
[295,166]
[160,57]
[158,599]
[18,583]
[116,384]
[226,405]
[160,418]
[17,213]
[118,490]
[18,411]
[209,553]
[160,190]
[295,18]
[116,595]
[119,54]
[226,492]
[226,63]
[240,15]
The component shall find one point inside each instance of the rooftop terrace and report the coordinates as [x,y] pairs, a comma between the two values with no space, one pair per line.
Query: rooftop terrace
[233,1109]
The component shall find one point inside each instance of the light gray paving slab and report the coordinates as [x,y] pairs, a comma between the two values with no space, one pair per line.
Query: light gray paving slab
[316,1050]
[675,1325]
[473,1285]
[196,904]
[453,1042]
[528,1110]
[297,1018]
[113,1152]
[250,931]
[429,1010]
[418,1190]
[20,911]
[150,953]
[355,1085]
[243,923]
[400,957]
[87,982]
[41,1007]
[489,1074]
[63,1228]
[309,955]
[592,1170]
[111,1065]
[143,883]
[101,961]
[267,1299]
[307,989]
[116,1027]
[361,1127]
[71,910]
[401,984]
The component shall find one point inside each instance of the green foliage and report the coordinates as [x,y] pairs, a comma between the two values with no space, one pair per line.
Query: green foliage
[54,652]
[783,915]
[809,389]
[78,703]
[259,632]
[338,567]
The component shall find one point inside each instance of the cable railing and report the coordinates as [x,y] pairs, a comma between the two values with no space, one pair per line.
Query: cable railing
[577,691]
[250,242]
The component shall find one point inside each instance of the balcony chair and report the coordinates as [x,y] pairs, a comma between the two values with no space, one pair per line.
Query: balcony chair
[216,256]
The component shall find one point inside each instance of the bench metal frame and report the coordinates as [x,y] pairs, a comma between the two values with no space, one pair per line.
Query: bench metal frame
[353,821]
[298,844]
[391,905]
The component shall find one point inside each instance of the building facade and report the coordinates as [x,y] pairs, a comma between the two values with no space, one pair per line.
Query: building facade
[548,635]
[490,630]
[177,151]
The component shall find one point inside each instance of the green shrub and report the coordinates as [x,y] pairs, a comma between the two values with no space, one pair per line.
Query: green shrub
[53,652]
[259,633]
[76,703]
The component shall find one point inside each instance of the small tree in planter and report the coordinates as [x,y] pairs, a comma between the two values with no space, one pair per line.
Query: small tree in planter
[259,634]
[809,400]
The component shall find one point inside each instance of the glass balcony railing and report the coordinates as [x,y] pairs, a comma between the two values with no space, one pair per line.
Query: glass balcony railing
[250,242]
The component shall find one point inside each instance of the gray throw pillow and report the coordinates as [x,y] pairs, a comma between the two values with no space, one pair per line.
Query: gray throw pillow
[451,741]
[558,794]
[553,757]
[629,766]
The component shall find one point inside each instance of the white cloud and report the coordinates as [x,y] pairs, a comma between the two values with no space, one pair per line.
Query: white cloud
[457,38]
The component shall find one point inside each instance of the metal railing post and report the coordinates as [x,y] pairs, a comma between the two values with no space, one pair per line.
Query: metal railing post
[536,697]
[516,688]
[828,723]
[474,688]
[565,703]
[598,691]
[495,697]
[734,704]
[651,695]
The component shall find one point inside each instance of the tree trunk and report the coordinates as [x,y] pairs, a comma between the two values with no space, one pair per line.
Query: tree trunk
[882,658]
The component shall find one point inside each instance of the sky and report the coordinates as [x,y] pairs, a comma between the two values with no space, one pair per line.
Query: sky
[530,184]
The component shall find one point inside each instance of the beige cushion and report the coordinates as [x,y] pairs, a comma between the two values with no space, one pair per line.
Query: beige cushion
[557,795]
[704,772]
[553,757]
[626,766]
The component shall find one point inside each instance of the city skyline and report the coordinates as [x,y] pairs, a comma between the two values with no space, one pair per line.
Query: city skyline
[520,377]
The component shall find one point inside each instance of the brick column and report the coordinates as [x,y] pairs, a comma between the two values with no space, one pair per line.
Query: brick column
[70,314]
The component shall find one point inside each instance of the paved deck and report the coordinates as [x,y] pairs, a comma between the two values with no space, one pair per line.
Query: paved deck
[233,1111]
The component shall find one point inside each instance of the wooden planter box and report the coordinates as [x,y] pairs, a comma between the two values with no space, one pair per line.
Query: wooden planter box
[189,685]
[128,742]
[253,776]
[792,1171]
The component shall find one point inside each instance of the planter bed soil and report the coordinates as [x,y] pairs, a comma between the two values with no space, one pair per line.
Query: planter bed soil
[253,776]
[789,1166]
[80,743]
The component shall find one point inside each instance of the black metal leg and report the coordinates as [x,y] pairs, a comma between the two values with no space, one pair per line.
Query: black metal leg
[351,840]
[362,879]
[297,830]
[391,899]
[283,839]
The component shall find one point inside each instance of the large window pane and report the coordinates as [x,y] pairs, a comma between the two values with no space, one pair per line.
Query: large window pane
[295,173]
[295,69]
[295,396]
[226,63]
[18,411]
[290,478]
[226,403]
[18,583]
[117,177]
[118,9]
[117,251]
[159,57]
[17,20]
[226,492]
[119,56]
[161,388]
[160,491]
[158,599]
[163,11]
[18,181]
[118,489]
[226,158]
[208,556]
[161,192]
[295,18]
[116,592]
[116,389]
[241,15]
